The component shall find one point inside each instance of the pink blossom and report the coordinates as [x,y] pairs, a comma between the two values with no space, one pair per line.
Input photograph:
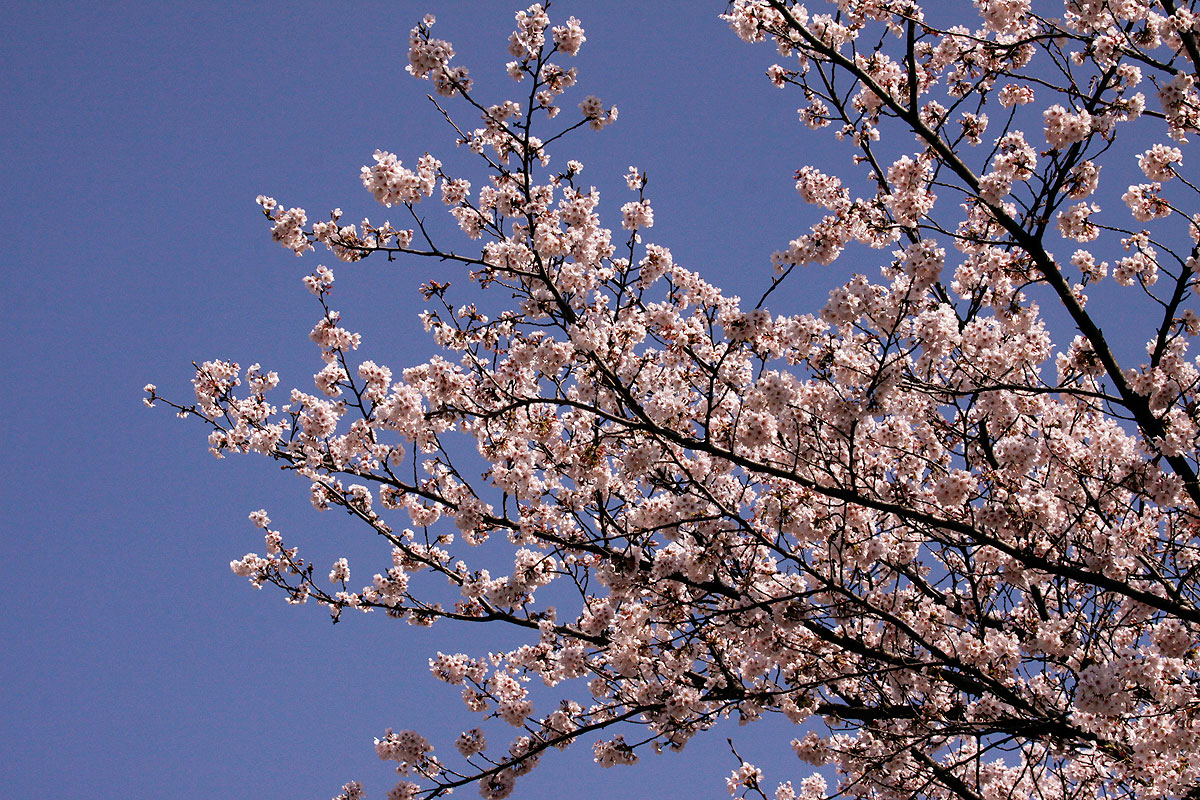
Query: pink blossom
[637,215]
[1063,128]
[569,36]
[1075,222]
[1157,162]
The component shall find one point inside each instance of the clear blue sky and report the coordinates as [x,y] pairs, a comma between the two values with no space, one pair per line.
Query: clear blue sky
[136,136]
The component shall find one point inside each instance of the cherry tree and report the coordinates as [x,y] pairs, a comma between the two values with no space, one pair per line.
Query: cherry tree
[953,544]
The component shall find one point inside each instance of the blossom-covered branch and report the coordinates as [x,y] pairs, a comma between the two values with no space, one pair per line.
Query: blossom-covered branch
[960,556]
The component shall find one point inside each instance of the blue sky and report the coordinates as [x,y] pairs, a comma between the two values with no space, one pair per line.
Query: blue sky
[136,138]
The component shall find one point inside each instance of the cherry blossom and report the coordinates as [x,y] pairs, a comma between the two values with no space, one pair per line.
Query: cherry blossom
[949,537]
